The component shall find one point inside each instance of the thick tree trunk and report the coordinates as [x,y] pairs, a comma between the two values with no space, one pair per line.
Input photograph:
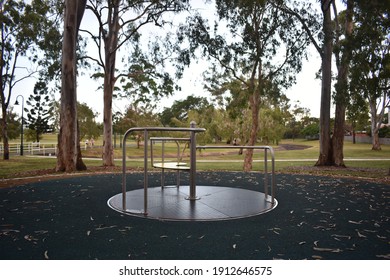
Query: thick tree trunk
[376,146]
[342,91]
[338,136]
[69,153]
[325,157]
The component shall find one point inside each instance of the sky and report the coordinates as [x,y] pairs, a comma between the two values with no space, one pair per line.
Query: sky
[307,89]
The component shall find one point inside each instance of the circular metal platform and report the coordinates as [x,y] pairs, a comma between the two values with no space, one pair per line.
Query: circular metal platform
[212,203]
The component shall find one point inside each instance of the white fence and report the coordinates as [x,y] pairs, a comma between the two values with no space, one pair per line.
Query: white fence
[37,148]
[32,148]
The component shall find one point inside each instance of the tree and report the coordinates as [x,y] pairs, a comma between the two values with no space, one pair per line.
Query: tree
[180,108]
[137,117]
[119,22]
[13,125]
[357,114]
[69,152]
[22,26]
[343,53]
[87,123]
[256,31]
[370,72]
[39,114]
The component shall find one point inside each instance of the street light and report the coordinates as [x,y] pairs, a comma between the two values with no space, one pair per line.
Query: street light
[21,129]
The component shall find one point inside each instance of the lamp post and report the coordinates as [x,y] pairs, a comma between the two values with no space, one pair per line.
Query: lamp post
[21,129]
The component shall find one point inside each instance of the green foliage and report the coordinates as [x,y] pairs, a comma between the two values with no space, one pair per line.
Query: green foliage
[13,126]
[134,117]
[87,123]
[370,71]
[39,113]
[384,132]
[180,109]
[311,131]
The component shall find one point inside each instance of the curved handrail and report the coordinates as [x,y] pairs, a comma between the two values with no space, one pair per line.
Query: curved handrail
[265,148]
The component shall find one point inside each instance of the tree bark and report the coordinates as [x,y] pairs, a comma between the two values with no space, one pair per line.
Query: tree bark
[110,47]
[376,146]
[255,107]
[342,90]
[325,157]
[4,134]
[69,152]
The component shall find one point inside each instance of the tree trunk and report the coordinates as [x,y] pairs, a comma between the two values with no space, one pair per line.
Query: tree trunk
[255,107]
[69,152]
[338,136]
[374,126]
[376,146]
[4,134]
[325,157]
[342,90]
[110,48]
[108,155]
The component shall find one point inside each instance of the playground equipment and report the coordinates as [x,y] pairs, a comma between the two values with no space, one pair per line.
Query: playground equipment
[190,202]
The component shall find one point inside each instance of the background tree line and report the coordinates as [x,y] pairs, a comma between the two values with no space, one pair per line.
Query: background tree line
[255,49]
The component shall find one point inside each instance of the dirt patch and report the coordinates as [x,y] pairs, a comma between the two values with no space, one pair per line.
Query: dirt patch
[290,147]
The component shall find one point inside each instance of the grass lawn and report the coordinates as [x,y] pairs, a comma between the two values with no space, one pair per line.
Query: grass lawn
[359,158]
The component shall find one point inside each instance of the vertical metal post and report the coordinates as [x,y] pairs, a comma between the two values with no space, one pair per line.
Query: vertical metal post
[124,173]
[266,173]
[163,161]
[192,163]
[146,172]
[273,177]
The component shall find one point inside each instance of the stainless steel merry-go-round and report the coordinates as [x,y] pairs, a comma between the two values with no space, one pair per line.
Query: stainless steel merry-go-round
[189,202]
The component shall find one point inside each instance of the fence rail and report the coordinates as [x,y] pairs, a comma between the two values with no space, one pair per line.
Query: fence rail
[32,148]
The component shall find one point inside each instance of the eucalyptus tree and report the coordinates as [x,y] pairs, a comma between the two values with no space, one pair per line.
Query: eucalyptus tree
[343,54]
[69,153]
[253,42]
[23,26]
[370,71]
[331,150]
[118,27]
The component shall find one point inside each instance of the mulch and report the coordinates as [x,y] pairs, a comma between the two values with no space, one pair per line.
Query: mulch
[316,218]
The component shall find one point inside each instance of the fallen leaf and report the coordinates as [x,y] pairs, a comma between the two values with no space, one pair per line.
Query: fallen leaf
[361,235]
[331,250]
[316,257]
[234,246]
[354,222]
[384,256]
[46,255]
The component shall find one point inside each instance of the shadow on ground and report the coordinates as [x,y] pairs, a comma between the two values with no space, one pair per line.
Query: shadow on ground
[316,218]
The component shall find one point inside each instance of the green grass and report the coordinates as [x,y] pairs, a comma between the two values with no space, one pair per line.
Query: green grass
[228,159]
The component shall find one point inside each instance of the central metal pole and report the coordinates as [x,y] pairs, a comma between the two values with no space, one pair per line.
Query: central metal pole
[192,163]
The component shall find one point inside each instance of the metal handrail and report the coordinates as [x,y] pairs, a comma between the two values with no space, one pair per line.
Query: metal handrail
[265,148]
[192,130]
